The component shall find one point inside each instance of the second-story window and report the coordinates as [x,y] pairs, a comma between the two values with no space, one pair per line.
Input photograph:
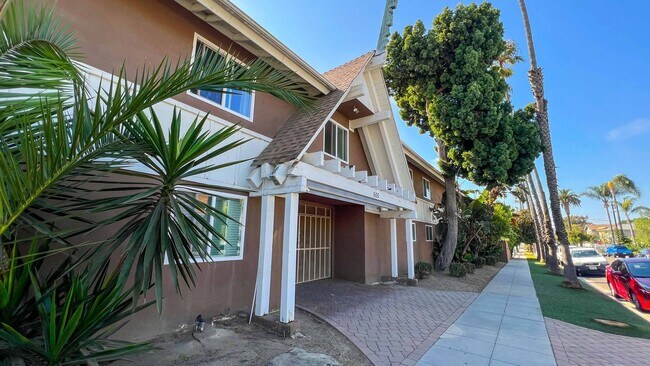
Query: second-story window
[426,189]
[236,101]
[336,141]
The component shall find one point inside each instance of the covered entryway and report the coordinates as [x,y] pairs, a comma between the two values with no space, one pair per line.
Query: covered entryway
[314,249]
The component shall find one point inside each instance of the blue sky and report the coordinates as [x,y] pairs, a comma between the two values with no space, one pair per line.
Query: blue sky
[594,55]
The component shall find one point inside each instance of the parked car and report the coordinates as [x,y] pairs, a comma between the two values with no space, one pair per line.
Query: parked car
[588,261]
[629,279]
[619,251]
[644,253]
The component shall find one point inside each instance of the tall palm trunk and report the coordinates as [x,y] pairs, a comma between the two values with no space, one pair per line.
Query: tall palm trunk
[538,235]
[617,215]
[537,83]
[451,216]
[567,209]
[609,218]
[629,222]
[550,249]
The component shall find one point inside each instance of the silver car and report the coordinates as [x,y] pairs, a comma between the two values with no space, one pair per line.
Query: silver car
[588,261]
[644,253]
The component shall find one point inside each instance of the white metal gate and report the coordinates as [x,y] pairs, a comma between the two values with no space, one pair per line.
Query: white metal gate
[314,260]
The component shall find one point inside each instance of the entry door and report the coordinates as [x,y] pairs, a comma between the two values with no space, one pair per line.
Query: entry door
[314,257]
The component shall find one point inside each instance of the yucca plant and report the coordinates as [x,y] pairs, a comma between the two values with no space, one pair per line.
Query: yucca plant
[64,153]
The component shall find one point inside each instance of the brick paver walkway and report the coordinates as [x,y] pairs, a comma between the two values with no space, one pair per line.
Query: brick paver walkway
[391,324]
[574,345]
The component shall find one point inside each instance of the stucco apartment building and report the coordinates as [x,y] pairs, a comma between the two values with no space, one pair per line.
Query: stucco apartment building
[331,192]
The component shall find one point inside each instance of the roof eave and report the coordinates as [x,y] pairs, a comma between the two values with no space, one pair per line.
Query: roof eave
[224,12]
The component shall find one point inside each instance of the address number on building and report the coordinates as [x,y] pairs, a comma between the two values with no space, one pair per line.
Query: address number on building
[375,194]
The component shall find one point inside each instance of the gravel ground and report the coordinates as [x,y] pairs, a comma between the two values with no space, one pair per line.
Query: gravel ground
[442,281]
[236,343]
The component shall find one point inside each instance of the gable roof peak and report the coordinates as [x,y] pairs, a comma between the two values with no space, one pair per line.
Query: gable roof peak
[343,75]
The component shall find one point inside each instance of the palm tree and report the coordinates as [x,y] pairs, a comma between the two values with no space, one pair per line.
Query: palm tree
[569,198]
[63,148]
[642,211]
[628,207]
[520,192]
[602,193]
[541,108]
[541,245]
[621,184]
[509,57]
[552,263]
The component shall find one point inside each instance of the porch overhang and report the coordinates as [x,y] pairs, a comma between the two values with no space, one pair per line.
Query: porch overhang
[329,179]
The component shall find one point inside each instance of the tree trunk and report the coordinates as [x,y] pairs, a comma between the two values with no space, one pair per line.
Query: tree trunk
[550,251]
[611,227]
[629,222]
[617,215]
[552,263]
[541,108]
[533,214]
[451,216]
[567,209]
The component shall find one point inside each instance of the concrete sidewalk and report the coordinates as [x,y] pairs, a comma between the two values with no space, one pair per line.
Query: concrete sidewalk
[503,326]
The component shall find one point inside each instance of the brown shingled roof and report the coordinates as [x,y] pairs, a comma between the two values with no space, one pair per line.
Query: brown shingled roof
[342,76]
[294,135]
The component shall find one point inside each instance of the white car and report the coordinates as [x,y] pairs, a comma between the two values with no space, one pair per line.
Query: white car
[587,261]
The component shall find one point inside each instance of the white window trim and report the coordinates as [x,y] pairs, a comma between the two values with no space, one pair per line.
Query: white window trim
[424,192]
[414,230]
[411,174]
[427,227]
[347,148]
[242,223]
[216,48]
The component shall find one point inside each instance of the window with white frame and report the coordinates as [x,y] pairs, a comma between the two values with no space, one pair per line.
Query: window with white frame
[414,231]
[236,101]
[411,174]
[336,141]
[229,246]
[426,189]
[428,230]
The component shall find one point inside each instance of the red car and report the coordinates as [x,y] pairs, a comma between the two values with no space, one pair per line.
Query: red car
[629,279]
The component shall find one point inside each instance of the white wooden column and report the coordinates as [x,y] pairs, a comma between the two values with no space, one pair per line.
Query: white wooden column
[393,248]
[265,256]
[409,248]
[290,241]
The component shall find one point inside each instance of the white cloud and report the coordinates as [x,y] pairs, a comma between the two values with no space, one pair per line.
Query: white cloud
[629,130]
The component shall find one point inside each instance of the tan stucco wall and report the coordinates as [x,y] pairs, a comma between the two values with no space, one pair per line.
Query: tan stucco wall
[142,32]
[437,188]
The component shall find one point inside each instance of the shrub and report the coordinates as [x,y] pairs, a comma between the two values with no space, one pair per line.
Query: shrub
[457,269]
[423,269]
[491,260]
[478,262]
[470,267]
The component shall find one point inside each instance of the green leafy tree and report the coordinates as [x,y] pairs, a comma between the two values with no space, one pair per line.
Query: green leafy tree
[525,227]
[446,81]
[569,198]
[577,236]
[643,231]
[536,79]
[63,150]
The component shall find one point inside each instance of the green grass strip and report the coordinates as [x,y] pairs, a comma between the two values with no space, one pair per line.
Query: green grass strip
[581,307]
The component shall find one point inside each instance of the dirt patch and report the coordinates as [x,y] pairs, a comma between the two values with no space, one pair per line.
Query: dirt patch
[611,323]
[472,282]
[237,343]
